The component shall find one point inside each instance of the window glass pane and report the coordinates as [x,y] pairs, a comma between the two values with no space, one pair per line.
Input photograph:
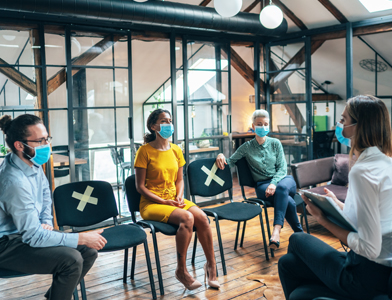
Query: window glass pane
[55,47]
[201,56]
[57,88]
[120,87]
[121,52]
[363,68]
[384,79]
[92,51]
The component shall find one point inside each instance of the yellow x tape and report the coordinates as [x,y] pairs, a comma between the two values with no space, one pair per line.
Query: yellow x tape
[211,175]
[85,198]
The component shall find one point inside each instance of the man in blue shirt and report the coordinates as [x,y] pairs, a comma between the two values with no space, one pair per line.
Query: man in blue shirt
[28,243]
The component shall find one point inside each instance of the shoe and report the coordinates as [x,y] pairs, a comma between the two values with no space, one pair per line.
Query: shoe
[274,244]
[194,285]
[212,283]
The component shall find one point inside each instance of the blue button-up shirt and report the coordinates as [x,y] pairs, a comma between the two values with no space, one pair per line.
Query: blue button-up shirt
[25,204]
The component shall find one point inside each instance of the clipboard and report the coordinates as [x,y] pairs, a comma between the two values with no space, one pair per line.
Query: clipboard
[330,209]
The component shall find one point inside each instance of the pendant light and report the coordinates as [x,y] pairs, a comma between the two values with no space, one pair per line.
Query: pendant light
[228,8]
[271,16]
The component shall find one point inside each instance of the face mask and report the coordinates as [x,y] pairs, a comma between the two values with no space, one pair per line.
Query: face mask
[166,130]
[339,134]
[261,131]
[42,154]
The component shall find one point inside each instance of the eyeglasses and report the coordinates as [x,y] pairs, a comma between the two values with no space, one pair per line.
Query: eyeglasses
[47,140]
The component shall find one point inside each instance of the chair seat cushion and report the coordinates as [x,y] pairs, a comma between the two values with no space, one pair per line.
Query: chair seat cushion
[122,237]
[339,191]
[165,228]
[262,202]
[236,211]
[4,273]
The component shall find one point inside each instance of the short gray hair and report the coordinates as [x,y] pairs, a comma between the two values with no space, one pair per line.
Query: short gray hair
[259,113]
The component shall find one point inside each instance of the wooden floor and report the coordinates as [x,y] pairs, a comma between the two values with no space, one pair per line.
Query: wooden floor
[104,281]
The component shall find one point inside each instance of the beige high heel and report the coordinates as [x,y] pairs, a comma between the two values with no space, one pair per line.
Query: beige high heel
[194,285]
[212,283]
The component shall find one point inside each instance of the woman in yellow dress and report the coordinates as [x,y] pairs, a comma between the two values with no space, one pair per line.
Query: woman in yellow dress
[159,179]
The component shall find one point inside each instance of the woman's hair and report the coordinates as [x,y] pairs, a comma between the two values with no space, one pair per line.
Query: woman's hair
[373,124]
[152,119]
[259,113]
[17,129]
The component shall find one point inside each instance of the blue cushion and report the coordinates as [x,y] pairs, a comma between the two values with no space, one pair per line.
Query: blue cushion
[123,237]
[236,211]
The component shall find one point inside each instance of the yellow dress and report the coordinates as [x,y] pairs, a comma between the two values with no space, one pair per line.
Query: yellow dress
[161,176]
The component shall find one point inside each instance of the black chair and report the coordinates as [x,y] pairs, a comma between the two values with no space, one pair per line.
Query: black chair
[60,171]
[118,160]
[87,203]
[133,199]
[4,273]
[216,182]
[245,178]
[322,142]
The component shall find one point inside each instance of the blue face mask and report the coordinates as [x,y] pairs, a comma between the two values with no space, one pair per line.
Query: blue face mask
[339,134]
[42,154]
[166,131]
[261,131]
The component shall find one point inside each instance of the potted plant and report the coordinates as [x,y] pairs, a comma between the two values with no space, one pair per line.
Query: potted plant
[3,150]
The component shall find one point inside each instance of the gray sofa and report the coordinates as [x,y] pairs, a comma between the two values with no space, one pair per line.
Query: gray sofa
[333,169]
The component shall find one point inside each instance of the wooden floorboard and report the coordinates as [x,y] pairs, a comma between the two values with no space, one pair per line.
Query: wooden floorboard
[104,281]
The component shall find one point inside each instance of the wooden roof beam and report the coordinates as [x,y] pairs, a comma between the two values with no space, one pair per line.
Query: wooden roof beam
[60,77]
[294,63]
[18,78]
[205,3]
[290,14]
[333,10]
[252,6]
[302,97]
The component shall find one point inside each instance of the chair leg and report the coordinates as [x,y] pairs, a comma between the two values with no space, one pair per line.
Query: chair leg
[268,227]
[75,294]
[243,235]
[306,218]
[83,290]
[125,265]
[148,261]
[157,261]
[236,235]
[194,249]
[263,233]
[220,244]
[133,265]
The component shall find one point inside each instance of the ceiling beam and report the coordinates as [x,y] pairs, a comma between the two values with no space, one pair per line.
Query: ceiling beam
[333,10]
[252,6]
[290,14]
[302,97]
[60,77]
[18,78]
[295,62]
[205,3]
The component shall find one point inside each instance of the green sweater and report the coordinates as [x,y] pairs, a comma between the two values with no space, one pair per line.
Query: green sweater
[266,161]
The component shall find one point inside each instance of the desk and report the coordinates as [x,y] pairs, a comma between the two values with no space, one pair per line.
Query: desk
[293,143]
[194,149]
[239,138]
[63,160]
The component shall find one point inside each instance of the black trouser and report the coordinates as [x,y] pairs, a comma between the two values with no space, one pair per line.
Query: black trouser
[68,265]
[311,261]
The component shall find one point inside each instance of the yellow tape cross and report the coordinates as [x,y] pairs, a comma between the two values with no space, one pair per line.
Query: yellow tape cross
[211,175]
[85,198]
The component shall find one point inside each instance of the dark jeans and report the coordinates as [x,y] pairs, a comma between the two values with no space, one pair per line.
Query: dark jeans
[339,275]
[68,265]
[284,205]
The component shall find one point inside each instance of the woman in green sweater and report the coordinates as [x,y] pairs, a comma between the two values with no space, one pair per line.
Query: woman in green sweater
[268,166]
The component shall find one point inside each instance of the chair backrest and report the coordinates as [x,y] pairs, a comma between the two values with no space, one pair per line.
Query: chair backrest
[312,172]
[322,142]
[245,177]
[84,203]
[114,155]
[133,196]
[206,180]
